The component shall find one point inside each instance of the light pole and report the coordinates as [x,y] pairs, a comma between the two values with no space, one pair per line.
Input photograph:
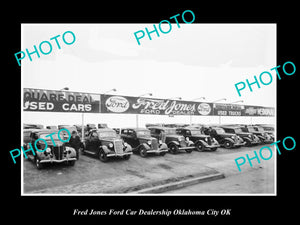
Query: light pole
[222,99]
[114,90]
[195,100]
[137,115]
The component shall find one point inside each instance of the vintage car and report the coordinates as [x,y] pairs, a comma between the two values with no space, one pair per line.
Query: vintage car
[104,143]
[268,128]
[174,141]
[54,153]
[259,132]
[225,140]
[202,142]
[102,125]
[141,141]
[249,138]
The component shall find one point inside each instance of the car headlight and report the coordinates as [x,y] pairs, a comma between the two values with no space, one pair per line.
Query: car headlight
[249,135]
[187,138]
[232,137]
[125,144]
[206,139]
[160,142]
[110,145]
[48,150]
[149,142]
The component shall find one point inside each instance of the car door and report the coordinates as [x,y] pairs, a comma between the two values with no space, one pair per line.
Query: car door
[132,138]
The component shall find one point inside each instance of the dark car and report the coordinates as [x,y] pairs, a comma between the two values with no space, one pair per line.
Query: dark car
[104,143]
[201,141]
[174,141]
[225,140]
[268,128]
[55,153]
[249,138]
[259,132]
[102,125]
[141,141]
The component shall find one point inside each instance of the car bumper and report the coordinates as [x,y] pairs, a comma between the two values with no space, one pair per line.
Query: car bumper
[157,150]
[57,160]
[239,144]
[187,147]
[212,146]
[118,154]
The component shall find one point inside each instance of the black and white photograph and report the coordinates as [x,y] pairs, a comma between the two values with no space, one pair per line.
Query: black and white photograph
[182,113]
[164,114]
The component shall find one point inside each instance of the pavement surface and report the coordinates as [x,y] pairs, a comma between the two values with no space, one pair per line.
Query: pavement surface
[91,176]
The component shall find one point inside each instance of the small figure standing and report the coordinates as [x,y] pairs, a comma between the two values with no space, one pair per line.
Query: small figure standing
[75,143]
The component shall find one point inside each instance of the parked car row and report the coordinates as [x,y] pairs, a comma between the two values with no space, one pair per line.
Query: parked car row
[104,142]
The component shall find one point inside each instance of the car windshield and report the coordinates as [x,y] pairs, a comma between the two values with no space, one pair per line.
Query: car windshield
[238,130]
[260,129]
[143,133]
[170,131]
[195,132]
[220,131]
[54,137]
[106,134]
[251,129]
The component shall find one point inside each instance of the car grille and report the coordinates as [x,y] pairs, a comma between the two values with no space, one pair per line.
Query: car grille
[209,140]
[154,144]
[118,147]
[58,152]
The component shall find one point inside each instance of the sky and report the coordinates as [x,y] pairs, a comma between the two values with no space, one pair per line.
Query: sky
[195,60]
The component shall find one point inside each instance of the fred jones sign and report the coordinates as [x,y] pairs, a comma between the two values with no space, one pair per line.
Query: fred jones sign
[60,101]
[135,105]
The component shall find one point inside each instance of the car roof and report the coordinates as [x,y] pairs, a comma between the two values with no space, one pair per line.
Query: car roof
[162,128]
[104,129]
[187,128]
[45,131]
[134,128]
[227,126]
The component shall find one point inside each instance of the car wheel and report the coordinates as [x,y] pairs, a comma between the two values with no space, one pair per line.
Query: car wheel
[126,157]
[71,163]
[102,156]
[38,164]
[143,151]
[200,146]
[228,144]
[174,149]
[248,143]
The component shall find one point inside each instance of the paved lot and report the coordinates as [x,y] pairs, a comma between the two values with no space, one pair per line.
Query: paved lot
[91,176]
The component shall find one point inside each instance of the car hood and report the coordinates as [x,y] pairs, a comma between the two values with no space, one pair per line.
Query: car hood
[226,135]
[110,139]
[146,138]
[173,136]
[200,136]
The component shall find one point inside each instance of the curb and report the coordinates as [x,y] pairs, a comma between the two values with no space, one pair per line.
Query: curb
[179,184]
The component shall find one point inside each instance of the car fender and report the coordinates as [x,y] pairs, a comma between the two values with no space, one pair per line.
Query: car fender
[229,139]
[72,151]
[105,149]
[203,142]
[40,155]
[261,137]
[163,146]
[128,148]
[247,138]
[190,143]
[173,142]
[145,146]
